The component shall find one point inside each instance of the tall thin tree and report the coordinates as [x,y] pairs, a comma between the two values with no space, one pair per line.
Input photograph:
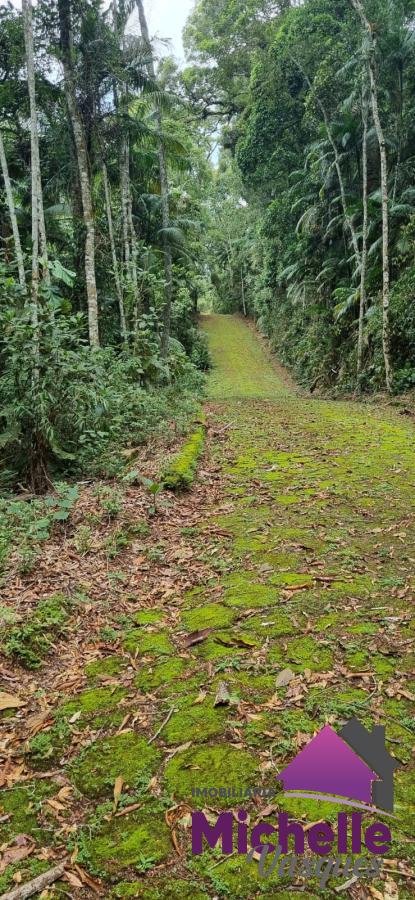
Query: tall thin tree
[115,266]
[83,167]
[164,193]
[36,185]
[12,213]
[363,264]
[372,69]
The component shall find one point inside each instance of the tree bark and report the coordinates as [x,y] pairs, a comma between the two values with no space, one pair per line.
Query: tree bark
[13,219]
[35,180]
[35,154]
[243,292]
[384,191]
[164,192]
[363,266]
[83,167]
[118,286]
[124,179]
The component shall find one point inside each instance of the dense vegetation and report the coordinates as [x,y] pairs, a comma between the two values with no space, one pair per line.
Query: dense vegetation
[315,102]
[190,590]
[101,229]
[274,175]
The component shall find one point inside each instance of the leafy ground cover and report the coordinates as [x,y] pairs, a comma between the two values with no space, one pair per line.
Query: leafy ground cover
[159,673]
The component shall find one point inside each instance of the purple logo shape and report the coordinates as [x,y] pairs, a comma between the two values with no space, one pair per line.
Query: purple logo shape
[353,764]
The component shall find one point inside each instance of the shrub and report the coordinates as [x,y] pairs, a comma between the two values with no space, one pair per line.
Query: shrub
[66,408]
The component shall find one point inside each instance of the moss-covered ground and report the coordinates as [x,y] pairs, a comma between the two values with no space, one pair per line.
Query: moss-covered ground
[294,550]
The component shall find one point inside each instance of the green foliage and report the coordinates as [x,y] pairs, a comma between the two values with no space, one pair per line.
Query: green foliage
[31,641]
[79,408]
[26,524]
[280,246]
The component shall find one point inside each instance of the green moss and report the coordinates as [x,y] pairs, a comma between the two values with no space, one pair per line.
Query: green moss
[109,665]
[255,688]
[290,579]
[212,615]
[250,595]
[165,673]
[258,731]
[206,767]
[95,769]
[159,889]
[405,800]
[295,720]
[275,624]
[384,666]
[47,747]
[30,642]
[234,878]
[305,653]
[130,841]
[90,703]
[327,621]
[195,723]
[358,660]
[154,643]
[148,617]
[345,703]
[219,646]
[181,471]
[364,628]
[23,804]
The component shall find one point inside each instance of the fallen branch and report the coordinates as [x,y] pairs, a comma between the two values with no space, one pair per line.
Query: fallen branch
[36,885]
[159,730]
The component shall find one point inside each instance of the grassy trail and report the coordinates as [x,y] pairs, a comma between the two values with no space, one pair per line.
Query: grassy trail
[296,550]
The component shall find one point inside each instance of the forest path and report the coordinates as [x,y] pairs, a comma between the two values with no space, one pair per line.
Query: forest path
[294,550]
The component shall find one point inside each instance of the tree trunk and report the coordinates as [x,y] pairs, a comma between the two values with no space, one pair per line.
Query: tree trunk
[83,167]
[12,213]
[363,266]
[124,179]
[118,287]
[243,292]
[399,130]
[35,155]
[384,190]
[164,192]
[35,181]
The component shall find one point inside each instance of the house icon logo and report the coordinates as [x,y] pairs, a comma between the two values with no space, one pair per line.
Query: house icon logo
[352,767]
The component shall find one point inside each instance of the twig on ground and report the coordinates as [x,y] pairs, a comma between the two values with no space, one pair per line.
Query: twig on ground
[36,885]
[159,730]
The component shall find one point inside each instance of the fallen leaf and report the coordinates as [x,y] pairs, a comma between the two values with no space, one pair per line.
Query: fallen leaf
[118,786]
[86,879]
[22,848]
[196,637]
[72,878]
[10,701]
[200,698]
[236,641]
[284,678]
[55,804]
